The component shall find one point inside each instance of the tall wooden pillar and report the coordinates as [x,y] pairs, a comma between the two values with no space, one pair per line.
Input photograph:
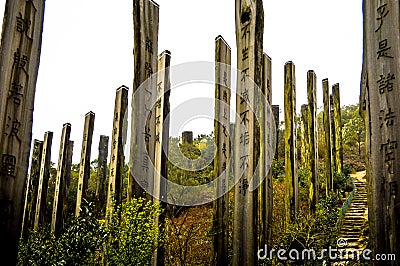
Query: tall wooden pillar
[222,156]
[32,188]
[145,22]
[275,111]
[249,40]
[265,190]
[313,195]
[84,165]
[187,137]
[292,183]
[61,188]
[101,183]
[333,136]
[381,86]
[327,136]
[44,176]
[304,150]
[117,158]
[161,145]
[19,62]
[337,118]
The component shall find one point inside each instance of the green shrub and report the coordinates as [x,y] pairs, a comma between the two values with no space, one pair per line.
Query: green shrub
[79,243]
[134,236]
[317,231]
[129,240]
[348,169]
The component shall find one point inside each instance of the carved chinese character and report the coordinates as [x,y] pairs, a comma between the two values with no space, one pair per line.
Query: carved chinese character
[225,78]
[244,138]
[387,118]
[244,162]
[246,37]
[244,73]
[20,60]
[224,130]
[389,149]
[13,126]
[149,113]
[22,25]
[383,49]
[158,103]
[158,137]
[148,70]
[245,53]
[14,93]
[158,121]
[243,115]
[225,113]
[149,46]
[386,83]
[145,162]
[223,166]
[244,96]
[8,163]
[244,184]
[224,150]
[382,13]
[147,134]
[159,86]
[114,144]
[225,96]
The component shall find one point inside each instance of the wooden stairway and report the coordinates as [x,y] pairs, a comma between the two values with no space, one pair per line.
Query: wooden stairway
[350,232]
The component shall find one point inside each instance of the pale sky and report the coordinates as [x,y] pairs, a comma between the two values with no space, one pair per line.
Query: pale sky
[87,54]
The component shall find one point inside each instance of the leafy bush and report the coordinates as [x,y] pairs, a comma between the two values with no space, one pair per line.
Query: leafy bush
[80,243]
[278,168]
[348,169]
[128,240]
[134,235]
[316,231]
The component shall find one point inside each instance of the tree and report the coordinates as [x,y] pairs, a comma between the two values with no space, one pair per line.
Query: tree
[353,127]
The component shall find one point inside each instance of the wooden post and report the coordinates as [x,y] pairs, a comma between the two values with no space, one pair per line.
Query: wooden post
[381,88]
[32,189]
[327,135]
[41,203]
[275,111]
[304,136]
[222,156]
[249,42]
[333,137]
[161,146]
[61,187]
[265,190]
[84,166]
[19,62]
[313,195]
[117,158]
[68,167]
[145,21]
[101,183]
[187,137]
[337,118]
[292,187]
